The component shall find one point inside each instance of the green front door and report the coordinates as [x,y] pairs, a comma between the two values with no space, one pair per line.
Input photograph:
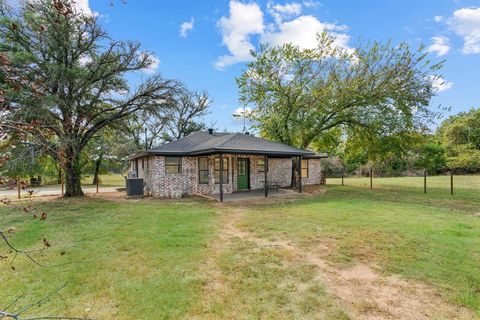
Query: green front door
[242,173]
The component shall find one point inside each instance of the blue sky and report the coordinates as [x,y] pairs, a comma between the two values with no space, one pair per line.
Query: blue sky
[211,51]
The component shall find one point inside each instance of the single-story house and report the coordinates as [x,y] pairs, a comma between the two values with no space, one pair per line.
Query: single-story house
[214,163]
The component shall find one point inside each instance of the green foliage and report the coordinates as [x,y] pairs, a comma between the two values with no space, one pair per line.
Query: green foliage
[108,149]
[461,129]
[464,158]
[329,142]
[431,156]
[460,134]
[387,155]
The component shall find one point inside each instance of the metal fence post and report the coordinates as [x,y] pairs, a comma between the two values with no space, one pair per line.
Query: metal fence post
[451,182]
[343,169]
[371,178]
[424,181]
[18,188]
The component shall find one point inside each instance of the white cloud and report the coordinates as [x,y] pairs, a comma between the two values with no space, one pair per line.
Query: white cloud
[440,45]
[303,31]
[154,62]
[84,7]
[311,4]
[244,20]
[84,60]
[289,8]
[240,112]
[186,27]
[280,12]
[439,84]
[465,22]
[438,18]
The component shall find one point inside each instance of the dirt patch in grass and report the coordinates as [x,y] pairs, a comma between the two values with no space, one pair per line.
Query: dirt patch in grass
[249,277]
[315,189]
[364,291]
[370,295]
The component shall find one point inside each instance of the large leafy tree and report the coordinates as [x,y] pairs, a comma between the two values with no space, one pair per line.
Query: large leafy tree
[376,90]
[69,80]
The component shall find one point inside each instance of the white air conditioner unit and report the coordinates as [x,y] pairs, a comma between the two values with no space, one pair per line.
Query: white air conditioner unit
[132,175]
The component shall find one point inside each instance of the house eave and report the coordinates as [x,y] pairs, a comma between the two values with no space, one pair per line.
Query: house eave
[317,156]
[255,152]
[138,155]
[306,154]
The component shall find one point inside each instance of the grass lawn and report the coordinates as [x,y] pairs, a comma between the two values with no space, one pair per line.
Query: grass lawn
[434,238]
[124,259]
[154,259]
[106,180]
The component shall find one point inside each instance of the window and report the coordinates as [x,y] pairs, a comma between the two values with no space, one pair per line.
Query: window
[304,168]
[203,170]
[217,170]
[261,165]
[242,167]
[173,165]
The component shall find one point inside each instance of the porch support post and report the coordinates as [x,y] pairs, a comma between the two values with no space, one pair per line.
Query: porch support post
[266,171]
[300,183]
[221,177]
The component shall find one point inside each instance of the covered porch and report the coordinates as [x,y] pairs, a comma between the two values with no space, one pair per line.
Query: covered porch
[254,175]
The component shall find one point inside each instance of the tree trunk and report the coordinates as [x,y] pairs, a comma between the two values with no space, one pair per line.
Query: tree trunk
[73,177]
[97,169]
[59,180]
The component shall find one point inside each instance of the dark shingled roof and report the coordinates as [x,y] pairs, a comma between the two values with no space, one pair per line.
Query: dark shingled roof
[202,142]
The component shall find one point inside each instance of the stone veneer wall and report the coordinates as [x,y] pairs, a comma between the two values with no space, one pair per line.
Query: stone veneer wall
[280,171]
[169,185]
[160,184]
[314,172]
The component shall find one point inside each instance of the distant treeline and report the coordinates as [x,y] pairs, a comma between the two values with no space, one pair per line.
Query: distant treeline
[455,145]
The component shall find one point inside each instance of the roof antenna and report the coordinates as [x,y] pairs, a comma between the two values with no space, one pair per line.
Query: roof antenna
[242,114]
[244,120]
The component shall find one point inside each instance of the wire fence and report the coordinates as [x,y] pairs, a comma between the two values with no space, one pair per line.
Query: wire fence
[420,182]
[36,186]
